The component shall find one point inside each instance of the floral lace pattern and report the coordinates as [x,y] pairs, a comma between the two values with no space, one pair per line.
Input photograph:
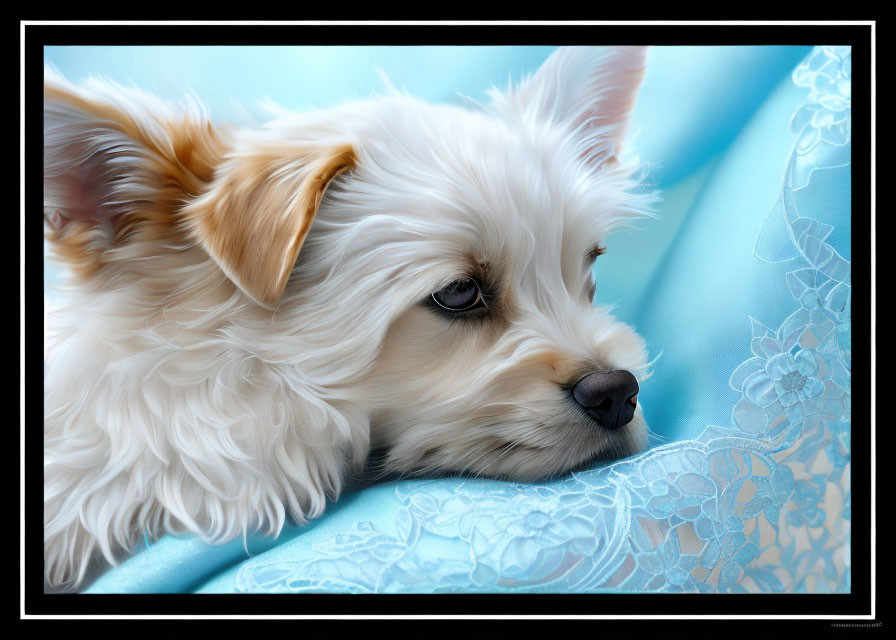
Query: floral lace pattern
[759,506]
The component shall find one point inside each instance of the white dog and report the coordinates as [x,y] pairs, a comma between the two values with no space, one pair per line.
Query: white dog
[251,310]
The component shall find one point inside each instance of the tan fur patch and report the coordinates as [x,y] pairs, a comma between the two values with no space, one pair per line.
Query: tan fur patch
[181,161]
[251,212]
[256,216]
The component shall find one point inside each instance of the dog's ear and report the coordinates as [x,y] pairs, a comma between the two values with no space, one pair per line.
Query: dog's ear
[121,165]
[118,163]
[254,217]
[589,91]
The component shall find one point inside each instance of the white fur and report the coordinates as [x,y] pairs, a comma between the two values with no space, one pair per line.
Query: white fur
[175,403]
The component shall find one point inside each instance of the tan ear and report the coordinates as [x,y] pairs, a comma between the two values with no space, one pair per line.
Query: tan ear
[118,164]
[258,211]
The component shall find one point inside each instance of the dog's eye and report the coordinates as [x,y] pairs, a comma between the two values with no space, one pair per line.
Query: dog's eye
[460,295]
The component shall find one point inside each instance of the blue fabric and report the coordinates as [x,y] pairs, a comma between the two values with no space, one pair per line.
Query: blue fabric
[742,285]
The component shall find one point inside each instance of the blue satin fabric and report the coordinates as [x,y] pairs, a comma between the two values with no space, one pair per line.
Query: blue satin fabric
[740,286]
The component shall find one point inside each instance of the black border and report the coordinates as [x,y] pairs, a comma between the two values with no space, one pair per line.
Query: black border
[856,603]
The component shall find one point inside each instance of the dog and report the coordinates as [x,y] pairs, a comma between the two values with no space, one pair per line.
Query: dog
[249,311]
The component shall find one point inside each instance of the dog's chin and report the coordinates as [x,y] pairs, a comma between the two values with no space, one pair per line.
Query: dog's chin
[621,443]
[604,446]
[582,446]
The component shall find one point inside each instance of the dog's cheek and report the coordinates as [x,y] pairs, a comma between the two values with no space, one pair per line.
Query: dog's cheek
[426,357]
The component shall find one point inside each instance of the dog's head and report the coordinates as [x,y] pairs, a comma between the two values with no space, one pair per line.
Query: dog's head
[424,269]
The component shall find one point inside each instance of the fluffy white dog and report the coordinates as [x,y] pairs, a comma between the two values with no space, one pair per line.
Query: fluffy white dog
[251,310]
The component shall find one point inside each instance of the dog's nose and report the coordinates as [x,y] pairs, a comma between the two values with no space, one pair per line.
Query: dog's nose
[609,397]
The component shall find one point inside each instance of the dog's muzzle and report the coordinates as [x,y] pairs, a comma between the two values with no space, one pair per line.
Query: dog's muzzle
[609,397]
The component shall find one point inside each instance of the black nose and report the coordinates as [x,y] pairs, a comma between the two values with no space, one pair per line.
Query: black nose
[609,397]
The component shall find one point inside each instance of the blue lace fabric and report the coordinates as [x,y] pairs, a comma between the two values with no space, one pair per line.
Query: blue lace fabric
[760,504]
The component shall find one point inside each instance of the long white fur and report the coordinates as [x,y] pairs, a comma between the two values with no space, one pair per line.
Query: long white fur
[196,410]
